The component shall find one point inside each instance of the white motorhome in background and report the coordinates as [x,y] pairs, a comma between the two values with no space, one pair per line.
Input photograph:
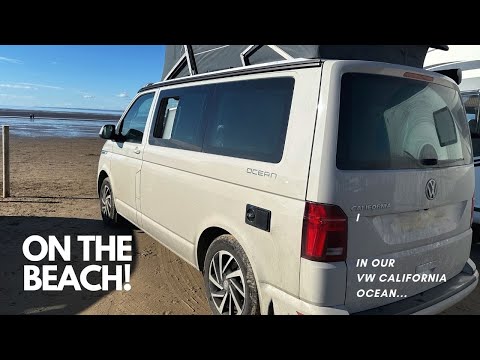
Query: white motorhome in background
[467,59]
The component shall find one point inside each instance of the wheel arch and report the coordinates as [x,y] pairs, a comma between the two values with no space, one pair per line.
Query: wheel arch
[208,235]
[204,241]
[102,175]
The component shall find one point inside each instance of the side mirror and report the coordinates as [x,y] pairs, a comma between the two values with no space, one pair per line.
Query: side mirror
[107,132]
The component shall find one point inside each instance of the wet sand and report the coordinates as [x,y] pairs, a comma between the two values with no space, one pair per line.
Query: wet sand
[58,128]
[57,114]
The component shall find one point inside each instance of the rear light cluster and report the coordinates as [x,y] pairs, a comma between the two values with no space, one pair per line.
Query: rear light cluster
[324,235]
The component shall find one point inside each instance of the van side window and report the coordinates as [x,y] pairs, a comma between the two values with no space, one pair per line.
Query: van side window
[248,119]
[133,124]
[179,122]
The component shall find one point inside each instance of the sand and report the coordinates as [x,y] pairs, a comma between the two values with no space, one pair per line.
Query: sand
[53,185]
[54,193]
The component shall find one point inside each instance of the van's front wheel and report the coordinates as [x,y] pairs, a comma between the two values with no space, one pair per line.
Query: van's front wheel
[229,279]
[107,203]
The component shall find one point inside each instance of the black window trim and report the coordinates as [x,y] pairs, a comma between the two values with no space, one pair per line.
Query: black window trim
[158,127]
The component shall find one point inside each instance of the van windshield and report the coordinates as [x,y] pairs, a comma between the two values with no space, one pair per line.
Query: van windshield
[398,123]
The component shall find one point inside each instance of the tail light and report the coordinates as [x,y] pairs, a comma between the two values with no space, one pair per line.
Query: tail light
[324,235]
[472,210]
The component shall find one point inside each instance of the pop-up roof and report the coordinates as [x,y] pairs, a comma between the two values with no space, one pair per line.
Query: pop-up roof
[185,60]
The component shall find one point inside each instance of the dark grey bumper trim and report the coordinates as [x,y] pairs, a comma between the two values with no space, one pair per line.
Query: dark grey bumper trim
[427,298]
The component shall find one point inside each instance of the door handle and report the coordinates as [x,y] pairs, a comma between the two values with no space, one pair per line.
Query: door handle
[137,151]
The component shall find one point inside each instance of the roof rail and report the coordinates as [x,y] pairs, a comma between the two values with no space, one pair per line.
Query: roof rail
[241,70]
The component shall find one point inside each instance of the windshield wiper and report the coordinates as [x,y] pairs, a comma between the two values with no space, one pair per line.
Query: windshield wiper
[426,162]
[429,162]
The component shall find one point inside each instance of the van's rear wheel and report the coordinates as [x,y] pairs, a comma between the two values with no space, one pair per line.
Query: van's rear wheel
[229,279]
[107,204]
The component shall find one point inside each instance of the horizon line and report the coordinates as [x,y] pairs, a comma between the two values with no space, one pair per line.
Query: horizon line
[19,107]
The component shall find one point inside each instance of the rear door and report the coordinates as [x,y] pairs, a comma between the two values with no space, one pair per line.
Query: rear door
[396,156]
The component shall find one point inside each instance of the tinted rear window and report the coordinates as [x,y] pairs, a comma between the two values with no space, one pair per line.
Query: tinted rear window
[397,123]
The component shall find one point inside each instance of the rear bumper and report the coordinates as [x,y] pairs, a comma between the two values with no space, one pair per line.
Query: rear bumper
[447,303]
[432,301]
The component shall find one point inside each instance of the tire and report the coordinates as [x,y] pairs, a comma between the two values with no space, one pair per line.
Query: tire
[230,294]
[110,216]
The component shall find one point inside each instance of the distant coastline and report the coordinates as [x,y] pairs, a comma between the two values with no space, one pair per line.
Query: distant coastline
[58,114]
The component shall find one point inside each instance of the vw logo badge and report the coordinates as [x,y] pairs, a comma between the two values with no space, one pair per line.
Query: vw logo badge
[431,189]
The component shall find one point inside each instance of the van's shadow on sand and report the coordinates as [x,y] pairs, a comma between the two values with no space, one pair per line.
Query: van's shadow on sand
[13,232]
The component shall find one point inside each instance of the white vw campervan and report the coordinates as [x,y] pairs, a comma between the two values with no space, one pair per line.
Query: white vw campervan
[283,180]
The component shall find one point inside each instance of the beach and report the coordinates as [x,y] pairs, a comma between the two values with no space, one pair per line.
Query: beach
[55,114]
[53,187]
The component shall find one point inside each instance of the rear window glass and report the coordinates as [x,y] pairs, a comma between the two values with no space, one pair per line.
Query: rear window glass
[397,123]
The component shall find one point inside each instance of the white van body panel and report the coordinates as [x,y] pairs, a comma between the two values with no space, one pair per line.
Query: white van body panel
[186,180]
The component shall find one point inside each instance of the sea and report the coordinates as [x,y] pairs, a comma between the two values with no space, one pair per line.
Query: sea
[57,127]
[61,109]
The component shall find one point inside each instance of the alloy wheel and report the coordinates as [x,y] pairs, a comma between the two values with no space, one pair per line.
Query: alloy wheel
[226,284]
